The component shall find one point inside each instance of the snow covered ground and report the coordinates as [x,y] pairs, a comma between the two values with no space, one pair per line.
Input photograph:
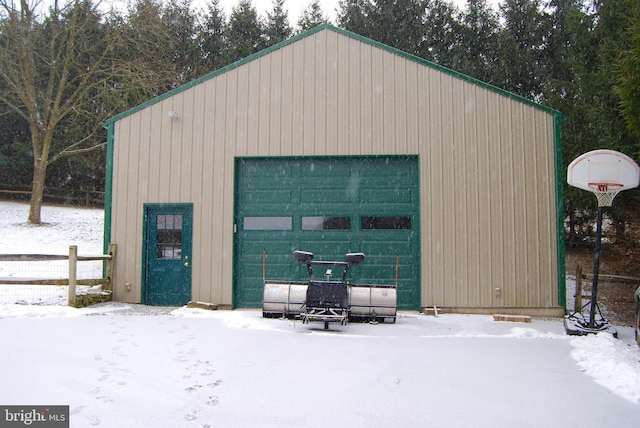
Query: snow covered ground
[121,365]
[60,228]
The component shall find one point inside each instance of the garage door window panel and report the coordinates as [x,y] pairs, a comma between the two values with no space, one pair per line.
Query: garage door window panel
[267,223]
[385,223]
[326,223]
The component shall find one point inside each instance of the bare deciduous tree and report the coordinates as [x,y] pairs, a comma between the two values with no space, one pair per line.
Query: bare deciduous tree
[52,69]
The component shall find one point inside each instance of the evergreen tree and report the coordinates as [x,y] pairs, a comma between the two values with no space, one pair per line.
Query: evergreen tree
[569,49]
[244,31]
[148,47]
[399,23]
[180,28]
[311,17]
[396,23]
[611,38]
[277,28]
[571,55]
[354,16]
[522,48]
[584,45]
[478,41]
[628,73]
[15,149]
[605,117]
[441,30]
[211,38]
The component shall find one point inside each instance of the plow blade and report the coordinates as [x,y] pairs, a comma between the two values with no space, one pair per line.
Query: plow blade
[367,302]
[370,302]
[282,299]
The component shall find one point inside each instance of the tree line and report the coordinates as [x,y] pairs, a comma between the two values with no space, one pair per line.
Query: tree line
[68,65]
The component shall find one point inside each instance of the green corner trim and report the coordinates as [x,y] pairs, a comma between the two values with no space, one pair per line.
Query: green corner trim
[560,244]
[108,188]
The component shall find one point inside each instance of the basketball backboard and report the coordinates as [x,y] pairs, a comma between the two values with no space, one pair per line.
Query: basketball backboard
[605,173]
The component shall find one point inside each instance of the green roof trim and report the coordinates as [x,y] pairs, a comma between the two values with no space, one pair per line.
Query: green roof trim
[443,69]
[217,73]
[345,33]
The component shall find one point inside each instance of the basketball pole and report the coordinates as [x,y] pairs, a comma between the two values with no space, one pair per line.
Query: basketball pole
[596,269]
[577,323]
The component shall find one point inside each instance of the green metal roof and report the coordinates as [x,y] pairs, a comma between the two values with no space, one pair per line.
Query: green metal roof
[345,33]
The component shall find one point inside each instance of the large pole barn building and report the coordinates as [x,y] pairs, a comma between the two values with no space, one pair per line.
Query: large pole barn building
[333,143]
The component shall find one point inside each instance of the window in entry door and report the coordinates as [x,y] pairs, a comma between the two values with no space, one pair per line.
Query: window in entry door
[169,236]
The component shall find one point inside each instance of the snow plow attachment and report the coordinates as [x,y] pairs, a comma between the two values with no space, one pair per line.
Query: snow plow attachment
[283,299]
[373,302]
[329,301]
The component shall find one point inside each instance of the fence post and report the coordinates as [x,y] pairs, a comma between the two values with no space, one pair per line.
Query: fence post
[577,305]
[110,266]
[73,263]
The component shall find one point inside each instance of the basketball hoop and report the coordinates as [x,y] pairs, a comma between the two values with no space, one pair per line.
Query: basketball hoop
[606,192]
[605,173]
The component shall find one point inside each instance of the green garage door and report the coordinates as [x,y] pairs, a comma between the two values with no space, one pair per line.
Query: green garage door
[328,206]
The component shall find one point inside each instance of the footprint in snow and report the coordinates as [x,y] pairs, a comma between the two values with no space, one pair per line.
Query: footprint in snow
[105,399]
[76,410]
[192,416]
[193,388]
[208,372]
[118,351]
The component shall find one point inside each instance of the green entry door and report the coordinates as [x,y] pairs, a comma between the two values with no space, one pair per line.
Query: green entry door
[167,254]
[328,206]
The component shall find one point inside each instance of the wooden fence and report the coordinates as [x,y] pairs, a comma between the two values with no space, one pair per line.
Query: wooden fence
[71,281]
[77,197]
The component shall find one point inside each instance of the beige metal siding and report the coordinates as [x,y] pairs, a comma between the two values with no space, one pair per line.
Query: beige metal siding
[486,164]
